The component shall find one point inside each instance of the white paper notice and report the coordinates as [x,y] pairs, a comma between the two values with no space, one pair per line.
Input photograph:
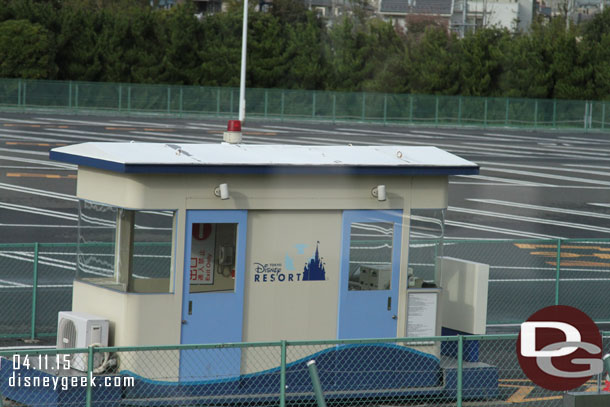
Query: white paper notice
[421,314]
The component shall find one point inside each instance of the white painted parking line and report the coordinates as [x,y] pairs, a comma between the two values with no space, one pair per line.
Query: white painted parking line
[558,150]
[296,141]
[38,211]
[180,137]
[29,121]
[541,208]
[506,180]
[85,122]
[332,141]
[218,126]
[306,130]
[143,124]
[30,152]
[553,168]
[35,225]
[9,135]
[546,175]
[528,219]
[39,192]
[388,133]
[49,163]
[498,230]
[57,135]
[604,205]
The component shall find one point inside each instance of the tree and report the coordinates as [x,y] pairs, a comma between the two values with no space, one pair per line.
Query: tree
[432,61]
[26,50]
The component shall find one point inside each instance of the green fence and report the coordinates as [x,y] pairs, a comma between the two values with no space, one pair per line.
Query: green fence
[436,371]
[282,104]
[525,275]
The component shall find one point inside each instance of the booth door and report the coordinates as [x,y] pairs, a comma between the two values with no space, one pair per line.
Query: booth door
[212,309]
[370,265]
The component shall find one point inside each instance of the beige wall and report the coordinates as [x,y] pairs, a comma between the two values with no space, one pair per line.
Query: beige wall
[306,208]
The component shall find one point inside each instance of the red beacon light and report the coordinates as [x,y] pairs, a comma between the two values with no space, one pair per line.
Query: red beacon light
[233,133]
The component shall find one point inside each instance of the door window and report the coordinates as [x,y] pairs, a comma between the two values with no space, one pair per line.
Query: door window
[370,256]
[212,259]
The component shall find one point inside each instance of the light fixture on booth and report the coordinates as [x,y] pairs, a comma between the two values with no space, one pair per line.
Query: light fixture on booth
[222,191]
[379,192]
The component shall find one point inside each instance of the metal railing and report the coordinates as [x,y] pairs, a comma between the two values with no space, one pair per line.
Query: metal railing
[283,104]
[525,275]
[435,371]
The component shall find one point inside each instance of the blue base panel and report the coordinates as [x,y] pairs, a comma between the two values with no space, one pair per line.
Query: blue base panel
[347,372]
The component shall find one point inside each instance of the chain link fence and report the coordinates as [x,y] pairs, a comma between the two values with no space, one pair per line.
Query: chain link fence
[525,276]
[438,371]
[282,104]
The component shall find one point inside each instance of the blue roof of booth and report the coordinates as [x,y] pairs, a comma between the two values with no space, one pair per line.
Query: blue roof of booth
[223,158]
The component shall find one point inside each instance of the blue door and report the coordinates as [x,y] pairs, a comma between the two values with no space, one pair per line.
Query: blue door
[370,265]
[213,299]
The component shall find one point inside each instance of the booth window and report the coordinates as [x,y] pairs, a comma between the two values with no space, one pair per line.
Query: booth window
[212,266]
[426,234]
[124,249]
[370,255]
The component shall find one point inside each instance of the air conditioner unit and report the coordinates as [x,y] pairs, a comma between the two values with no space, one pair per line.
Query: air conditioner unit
[80,330]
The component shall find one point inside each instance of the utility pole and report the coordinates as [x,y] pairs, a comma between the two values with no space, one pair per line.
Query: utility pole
[242,79]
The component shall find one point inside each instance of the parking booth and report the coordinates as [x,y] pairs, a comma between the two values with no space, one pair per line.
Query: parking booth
[222,243]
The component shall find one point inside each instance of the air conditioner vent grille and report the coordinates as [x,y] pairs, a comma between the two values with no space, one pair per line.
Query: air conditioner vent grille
[67,334]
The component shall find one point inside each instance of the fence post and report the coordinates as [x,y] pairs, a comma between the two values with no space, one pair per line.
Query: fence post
[34,292]
[129,99]
[266,101]
[334,107]
[231,101]
[554,113]
[218,101]
[460,110]
[460,367]
[169,98]
[283,374]
[557,271]
[436,110]
[603,114]
[70,94]
[181,100]
[411,109]
[89,375]
[506,115]
[282,107]
[313,104]
[19,92]
[535,113]
[315,381]
[485,117]
[363,105]
[385,108]
[76,96]
[120,96]
[25,91]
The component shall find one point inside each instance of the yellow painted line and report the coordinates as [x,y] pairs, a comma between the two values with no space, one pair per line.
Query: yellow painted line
[554,254]
[122,128]
[21,143]
[552,246]
[147,129]
[31,175]
[20,125]
[604,256]
[520,395]
[579,263]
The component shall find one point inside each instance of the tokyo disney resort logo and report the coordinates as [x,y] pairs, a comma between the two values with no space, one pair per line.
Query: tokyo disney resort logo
[560,348]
